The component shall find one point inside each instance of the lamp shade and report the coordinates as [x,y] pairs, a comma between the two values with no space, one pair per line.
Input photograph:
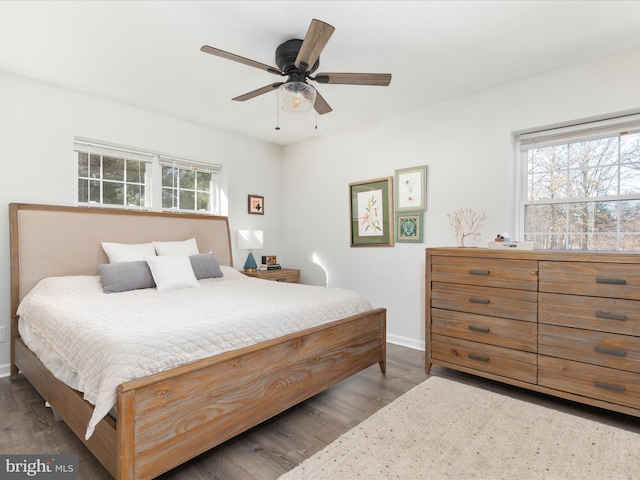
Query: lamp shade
[296,97]
[249,239]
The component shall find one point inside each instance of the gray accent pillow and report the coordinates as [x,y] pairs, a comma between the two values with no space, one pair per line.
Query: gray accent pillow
[125,276]
[205,265]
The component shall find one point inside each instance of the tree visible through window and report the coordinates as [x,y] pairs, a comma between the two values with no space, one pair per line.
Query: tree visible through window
[582,191]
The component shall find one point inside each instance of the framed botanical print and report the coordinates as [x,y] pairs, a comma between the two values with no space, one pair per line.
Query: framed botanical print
[256,204]
[409,227]
[411,190]
[371,213]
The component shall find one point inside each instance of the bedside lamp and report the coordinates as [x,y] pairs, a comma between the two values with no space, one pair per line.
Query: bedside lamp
[250,240]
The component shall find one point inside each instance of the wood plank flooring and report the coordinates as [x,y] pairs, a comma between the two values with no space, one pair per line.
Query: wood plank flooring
[276,446]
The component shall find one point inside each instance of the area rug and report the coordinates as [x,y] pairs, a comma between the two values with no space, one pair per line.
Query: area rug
[442,429]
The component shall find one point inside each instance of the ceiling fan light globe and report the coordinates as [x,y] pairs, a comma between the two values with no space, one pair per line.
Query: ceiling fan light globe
[296,97]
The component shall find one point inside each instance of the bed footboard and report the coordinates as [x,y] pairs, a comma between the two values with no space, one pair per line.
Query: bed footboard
[171,417]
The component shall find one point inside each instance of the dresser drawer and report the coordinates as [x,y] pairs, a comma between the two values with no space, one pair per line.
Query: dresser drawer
[497,302]
[479,328]
[587,380]
[598,348]
[591,313]
[501,361]
[487,272]
[614,280]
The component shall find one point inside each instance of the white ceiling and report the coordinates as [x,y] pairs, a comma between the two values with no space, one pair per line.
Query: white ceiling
[147,53]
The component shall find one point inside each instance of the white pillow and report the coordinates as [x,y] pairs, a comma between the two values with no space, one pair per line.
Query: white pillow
[172,272]
[124,252]
[186,248]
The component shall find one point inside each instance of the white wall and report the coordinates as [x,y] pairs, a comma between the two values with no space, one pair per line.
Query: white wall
[467,144]
[38,123]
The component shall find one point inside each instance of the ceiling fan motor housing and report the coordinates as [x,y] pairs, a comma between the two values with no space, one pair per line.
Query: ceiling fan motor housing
[286,55]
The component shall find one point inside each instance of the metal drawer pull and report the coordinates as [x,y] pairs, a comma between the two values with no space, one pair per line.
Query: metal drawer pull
[610,316]
[609,387]
[478,300]
[616,281]
[618,353]
[473,356]
[473,328]
[479,272]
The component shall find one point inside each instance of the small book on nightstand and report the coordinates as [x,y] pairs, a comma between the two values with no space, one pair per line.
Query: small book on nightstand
[274,266]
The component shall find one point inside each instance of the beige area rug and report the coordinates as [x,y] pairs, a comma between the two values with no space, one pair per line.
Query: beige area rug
[442,429]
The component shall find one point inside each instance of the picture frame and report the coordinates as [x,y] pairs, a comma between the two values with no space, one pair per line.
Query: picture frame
[256,204]
[269,260]
[411,189]
[371,208]
[409,227]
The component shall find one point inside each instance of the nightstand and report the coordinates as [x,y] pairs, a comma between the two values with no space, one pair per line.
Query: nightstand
[289,275]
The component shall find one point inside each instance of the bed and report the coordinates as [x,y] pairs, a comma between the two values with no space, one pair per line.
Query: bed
[166,418]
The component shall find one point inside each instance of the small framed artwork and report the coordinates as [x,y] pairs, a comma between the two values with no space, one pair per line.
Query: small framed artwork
[256,204]
[372,213]
[411,190]
[409,227]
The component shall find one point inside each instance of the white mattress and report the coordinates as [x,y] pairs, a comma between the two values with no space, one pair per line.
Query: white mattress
[94,341]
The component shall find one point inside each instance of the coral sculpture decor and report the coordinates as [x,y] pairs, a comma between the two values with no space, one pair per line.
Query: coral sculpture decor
[466,223]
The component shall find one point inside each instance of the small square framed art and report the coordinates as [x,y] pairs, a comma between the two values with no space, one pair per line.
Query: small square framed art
[409,227]
[256,204]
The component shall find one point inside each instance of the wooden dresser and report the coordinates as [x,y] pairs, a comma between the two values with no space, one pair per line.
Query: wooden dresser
[562,323]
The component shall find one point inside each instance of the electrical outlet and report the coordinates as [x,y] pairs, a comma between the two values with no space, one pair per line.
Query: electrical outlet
[3,334]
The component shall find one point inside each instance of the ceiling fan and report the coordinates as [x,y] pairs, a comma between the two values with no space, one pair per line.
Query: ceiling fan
[298,59]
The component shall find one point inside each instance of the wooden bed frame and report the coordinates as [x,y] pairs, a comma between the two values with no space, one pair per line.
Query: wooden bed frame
[168,418]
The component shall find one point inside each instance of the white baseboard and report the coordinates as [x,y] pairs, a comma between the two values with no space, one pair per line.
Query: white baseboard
[406,342]
[5,370]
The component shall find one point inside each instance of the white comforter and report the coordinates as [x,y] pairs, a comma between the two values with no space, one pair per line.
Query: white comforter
[107,339]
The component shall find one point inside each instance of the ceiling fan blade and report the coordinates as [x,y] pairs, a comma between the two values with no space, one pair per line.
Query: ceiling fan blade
[375,79]
[321,106]
[314,42]
[259,91]
[237,58]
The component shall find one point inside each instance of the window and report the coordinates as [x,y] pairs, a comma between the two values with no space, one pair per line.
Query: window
[124,178]
[580,186]
[189,186]
[111,177]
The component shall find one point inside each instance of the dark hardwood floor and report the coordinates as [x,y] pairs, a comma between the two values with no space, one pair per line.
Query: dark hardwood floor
[275,446]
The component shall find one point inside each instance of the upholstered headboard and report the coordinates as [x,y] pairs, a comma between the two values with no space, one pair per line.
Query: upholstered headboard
[51,241]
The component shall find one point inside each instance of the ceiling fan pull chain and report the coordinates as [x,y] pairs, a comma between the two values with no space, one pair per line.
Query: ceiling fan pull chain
[316,119]
[277,115]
